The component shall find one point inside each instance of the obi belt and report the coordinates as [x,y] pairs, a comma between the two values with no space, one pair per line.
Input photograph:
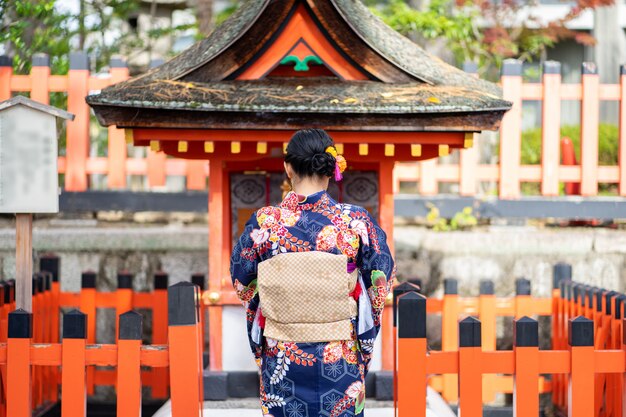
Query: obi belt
[307,296]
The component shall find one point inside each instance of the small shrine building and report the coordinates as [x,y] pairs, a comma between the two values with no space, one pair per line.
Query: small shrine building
[235,98]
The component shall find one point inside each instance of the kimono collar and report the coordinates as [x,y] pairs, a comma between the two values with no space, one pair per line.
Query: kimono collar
[292,200]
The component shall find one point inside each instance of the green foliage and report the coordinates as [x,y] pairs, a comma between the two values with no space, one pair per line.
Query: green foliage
[608,145]
[462,220]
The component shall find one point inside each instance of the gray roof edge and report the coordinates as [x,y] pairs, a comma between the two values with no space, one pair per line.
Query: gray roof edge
[25,101]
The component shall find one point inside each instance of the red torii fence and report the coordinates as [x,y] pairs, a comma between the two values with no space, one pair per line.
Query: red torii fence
[77,165]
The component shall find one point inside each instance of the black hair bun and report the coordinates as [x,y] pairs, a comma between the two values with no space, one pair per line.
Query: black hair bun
[323,164]
[306,153]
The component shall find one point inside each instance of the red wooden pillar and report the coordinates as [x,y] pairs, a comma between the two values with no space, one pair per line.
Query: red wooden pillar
[589,119]
[622,129]
[526,388]
[386,212]
[78,129]
[117,142]
[551,128]
[511,130]
[216,259]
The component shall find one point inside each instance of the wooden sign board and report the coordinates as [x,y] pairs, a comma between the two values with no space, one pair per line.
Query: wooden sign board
[28,156]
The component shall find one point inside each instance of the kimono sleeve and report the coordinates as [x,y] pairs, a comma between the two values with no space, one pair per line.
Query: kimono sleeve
[377,273]
[243,270]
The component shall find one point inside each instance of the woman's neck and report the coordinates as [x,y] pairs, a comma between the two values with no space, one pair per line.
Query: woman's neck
[309,187]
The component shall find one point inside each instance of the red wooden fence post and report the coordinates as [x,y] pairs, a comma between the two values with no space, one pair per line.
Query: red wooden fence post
[159,331]
[129,365]
[78,129]
[622,129]
[511,130]
[411,366]
[51,264]
[88,306]
[184,352]
[117,142]
[561,272]
[526,388]
[580,401]
[589,119]
[487,316]
[551,128]
[40,78]
[200,281]
[398,290]
[73,375]
[18,364]
[470,372]
[6,71]
[449,334]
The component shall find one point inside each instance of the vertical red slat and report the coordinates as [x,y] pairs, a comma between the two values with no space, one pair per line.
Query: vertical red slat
[78,129]
[622,131]
[385,216]
[412,355]
[217,243]
[117,141]
[511,130]
[468,163]
[88,306]
[18,364]
[526,348]
[159,331]
[487,316]
[185,356]
[428,184]
[450,335]
[551,128]
[39,75]
[470,373]
[156,168]
[73,375]
[580,396]
[129,365]
[589,119]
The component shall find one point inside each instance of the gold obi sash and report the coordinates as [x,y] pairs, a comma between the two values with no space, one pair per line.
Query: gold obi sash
[305,296]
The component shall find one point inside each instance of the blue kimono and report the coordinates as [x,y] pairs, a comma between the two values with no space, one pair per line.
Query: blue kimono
[314,379]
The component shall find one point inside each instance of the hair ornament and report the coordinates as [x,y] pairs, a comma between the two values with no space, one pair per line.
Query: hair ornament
[340,162]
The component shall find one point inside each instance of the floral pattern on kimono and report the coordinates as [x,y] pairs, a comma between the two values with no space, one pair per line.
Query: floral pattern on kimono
[325,378]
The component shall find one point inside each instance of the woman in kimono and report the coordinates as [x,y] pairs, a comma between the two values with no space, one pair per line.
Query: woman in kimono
[312,364]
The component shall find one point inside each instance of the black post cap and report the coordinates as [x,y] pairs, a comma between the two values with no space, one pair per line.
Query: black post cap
[117,61]
[3,290]
[560,272]
[470,67]
[417,282]
[619,303]
[450,286]
[182,304]
[130,327]
[20,324]
[398,290]
[198,279]
[469,332]
[88,279]
[526,332]
[6,61]
[160,280]
[589,68]
[551,67]
[79,60]
[522,286]
[124,280]
[411,315]
[11,284]
[41,60]
[41,282]
[568,289]
[575,291]
[580,331]
[35,285]
[74,325]
[486,287]
[48,280]
[6,292]
[622,69]
[50,263]
[598,292]
[512,68]
[608,308]
[583,294]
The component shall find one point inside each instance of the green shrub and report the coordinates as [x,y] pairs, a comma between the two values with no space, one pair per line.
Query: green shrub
[608,146]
